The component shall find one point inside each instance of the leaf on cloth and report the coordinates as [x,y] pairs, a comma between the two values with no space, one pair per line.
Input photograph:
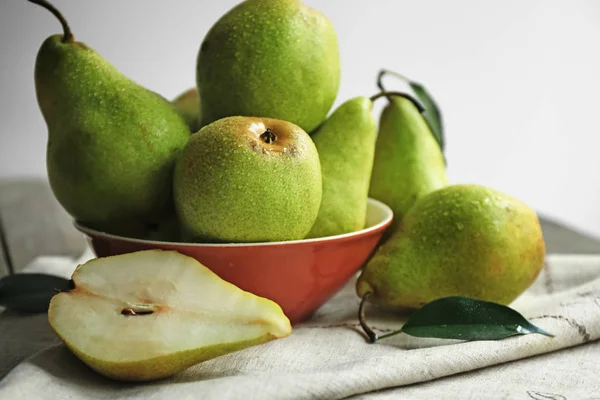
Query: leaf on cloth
[467,319]
[31,292]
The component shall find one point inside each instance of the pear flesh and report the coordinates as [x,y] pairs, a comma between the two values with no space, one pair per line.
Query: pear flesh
[408,161]
[461,240]
[346,146]
[148,315]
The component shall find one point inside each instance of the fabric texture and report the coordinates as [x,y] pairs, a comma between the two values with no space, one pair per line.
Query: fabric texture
[328,357]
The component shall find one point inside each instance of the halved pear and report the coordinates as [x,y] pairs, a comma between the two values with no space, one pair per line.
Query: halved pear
[151,314]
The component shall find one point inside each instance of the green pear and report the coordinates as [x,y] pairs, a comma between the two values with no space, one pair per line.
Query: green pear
[151,314]
[246,179]
[408,161]
[187,105]
[269,58]
[346,146]
[461,240]
[112,144]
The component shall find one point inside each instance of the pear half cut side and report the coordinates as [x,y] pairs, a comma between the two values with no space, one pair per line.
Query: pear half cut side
[151,314]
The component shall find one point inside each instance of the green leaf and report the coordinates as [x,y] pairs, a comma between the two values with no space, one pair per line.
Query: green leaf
[432,114]
[467,319]
[31,292]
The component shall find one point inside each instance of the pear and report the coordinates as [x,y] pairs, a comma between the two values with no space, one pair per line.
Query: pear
[408,161]
[269,58]
[246,179]
[151,314]
[187,105]
[346,146]
[112,143]
[461,240]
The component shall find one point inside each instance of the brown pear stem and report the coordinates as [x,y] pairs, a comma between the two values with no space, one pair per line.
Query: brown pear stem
[387,335]
[68,35]
[361,318]
[407,96]
[385,72]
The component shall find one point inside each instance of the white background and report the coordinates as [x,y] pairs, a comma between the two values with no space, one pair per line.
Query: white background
[517,80]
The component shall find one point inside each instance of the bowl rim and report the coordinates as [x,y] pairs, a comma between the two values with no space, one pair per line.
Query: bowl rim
[389,214]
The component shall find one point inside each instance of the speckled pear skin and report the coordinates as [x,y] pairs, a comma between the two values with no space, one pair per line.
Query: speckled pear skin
[269,58]
[346,146]
[112,144]
[230,186]
[187,105]
[164,366]
[462,240]
[408,161]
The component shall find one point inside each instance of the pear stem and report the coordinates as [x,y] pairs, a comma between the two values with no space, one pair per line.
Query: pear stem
[361,318]
[387,335]
[407,96]
[385,72]
[68,35]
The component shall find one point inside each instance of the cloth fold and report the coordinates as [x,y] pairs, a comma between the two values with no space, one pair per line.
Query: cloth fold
[328,357]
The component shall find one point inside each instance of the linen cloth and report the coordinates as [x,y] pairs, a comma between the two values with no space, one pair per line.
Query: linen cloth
[328,357]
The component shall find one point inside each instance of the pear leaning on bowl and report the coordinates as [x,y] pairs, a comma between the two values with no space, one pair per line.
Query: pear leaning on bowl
[346,146]
[461,240]
[246,179]
[151,314]
[112,143]
[269,58]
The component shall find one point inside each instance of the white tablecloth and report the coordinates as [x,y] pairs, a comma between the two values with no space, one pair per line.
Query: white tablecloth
[329,358]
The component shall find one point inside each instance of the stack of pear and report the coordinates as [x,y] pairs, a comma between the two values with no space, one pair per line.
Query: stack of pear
[459,240]
[268,71]
[112,143]
[249,155]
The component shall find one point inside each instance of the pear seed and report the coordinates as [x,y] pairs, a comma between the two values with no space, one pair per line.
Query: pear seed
[138,309]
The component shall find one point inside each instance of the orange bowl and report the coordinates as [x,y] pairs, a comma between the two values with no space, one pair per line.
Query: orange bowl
[299,275]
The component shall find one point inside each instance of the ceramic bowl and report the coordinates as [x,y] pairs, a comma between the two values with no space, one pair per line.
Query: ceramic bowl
[299,275]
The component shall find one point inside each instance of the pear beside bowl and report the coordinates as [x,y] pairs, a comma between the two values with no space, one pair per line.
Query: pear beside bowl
[299,275]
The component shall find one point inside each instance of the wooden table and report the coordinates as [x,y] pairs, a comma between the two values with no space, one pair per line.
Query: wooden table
[32,223]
